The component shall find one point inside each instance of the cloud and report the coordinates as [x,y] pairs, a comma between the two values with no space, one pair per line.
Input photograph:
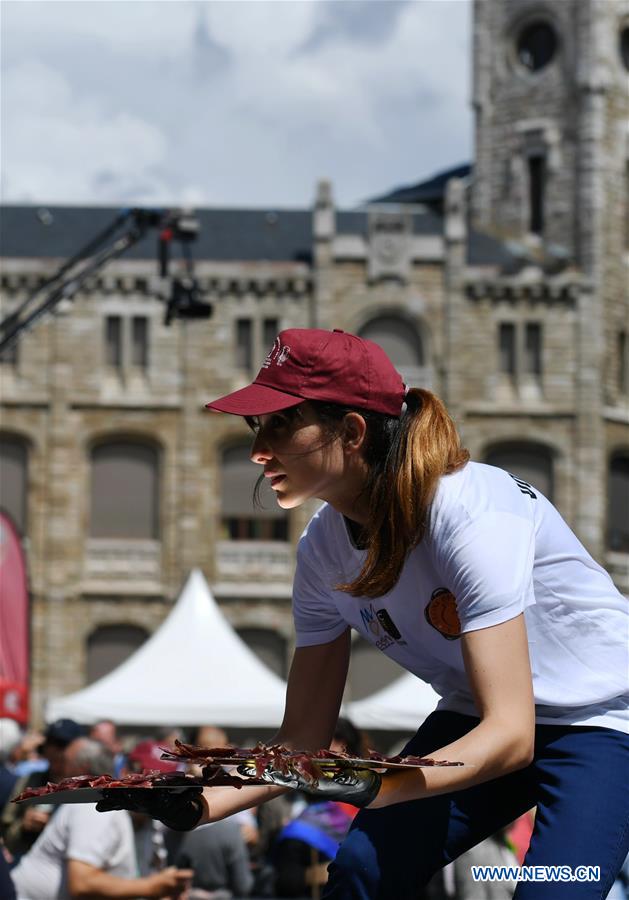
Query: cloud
[371,22]
[210,57]
[211,103]
[59,145]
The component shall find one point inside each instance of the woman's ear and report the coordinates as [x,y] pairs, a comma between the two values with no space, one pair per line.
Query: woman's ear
[354,432]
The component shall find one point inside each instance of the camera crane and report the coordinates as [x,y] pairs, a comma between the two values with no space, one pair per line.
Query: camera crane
[129,227]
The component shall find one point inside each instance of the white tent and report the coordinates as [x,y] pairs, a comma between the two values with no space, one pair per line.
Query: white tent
[403,705]
[194,670]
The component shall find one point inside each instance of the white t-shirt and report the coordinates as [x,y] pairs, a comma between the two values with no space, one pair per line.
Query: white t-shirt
[495,547]
[76,831]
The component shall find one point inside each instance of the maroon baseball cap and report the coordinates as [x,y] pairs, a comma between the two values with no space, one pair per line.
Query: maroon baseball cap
[147,756]
[313,364]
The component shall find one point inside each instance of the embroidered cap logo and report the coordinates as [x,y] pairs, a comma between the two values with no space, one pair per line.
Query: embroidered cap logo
[278,354]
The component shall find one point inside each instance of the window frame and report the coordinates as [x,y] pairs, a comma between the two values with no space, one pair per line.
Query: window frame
[157,501]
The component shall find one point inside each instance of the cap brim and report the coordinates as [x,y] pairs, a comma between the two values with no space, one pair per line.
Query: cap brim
[254,400]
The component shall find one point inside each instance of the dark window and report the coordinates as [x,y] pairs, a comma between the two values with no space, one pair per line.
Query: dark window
[241,520]
[618,505]
[139,342]
[537,45]
[111,645]
[537,177]
[624,46]
[530,462]
[14,480]
[623,362]
[506,348]
[244,348]
[269,647]
[533,348]
[113,341]
[124,491]
[398,339]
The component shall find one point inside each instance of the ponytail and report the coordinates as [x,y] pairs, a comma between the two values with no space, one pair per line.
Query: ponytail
[424,447]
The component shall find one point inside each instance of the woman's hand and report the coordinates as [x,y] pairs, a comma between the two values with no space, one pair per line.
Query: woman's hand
[356,786]
[179,810]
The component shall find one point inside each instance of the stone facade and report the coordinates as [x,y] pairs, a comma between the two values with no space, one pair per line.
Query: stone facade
[449,281]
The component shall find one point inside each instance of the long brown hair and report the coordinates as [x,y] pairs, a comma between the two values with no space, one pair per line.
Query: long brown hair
[422,446]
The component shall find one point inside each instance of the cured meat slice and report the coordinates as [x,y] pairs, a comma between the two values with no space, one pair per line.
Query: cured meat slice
[105,782]
[283,759]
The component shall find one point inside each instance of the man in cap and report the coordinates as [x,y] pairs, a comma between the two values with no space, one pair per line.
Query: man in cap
[81,854]
[21,826]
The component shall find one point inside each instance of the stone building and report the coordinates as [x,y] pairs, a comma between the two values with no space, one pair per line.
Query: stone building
[502,286]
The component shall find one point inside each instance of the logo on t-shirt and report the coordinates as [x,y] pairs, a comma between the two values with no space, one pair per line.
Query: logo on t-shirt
[525,487]
[382,626]
[442,614]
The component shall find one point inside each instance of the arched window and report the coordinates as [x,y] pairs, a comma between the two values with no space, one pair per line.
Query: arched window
[240,519]
[618,504]
[268,645]
[399,340]
[370,670]
[111,645]
[124,491]
[531,462]
[14,479]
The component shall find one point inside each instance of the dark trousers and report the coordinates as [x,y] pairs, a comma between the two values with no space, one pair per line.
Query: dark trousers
[579,782]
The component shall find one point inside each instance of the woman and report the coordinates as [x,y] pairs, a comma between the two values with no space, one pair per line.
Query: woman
[469,578]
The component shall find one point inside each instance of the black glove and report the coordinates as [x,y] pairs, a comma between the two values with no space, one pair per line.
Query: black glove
[356,786]
[179,810]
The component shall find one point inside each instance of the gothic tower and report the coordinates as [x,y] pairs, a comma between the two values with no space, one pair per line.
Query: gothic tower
[551,96]
[551,173]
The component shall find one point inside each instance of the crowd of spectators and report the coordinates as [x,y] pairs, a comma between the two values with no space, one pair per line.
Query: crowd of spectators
[280,850]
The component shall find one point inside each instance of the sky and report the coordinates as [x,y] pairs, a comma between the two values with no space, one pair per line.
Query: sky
[237,103]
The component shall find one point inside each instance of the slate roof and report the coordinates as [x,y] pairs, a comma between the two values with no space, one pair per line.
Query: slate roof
[226,235]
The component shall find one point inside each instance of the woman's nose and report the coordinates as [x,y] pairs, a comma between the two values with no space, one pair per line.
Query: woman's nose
[260,451]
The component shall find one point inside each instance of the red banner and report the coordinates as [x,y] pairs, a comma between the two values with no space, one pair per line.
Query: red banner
[14,625]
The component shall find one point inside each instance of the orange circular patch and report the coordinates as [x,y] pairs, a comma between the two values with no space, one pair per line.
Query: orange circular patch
[442,614]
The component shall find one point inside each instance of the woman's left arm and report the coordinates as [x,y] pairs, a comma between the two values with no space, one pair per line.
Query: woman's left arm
[497,666]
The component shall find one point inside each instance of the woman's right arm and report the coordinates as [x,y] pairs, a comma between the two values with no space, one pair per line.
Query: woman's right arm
[313,698]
